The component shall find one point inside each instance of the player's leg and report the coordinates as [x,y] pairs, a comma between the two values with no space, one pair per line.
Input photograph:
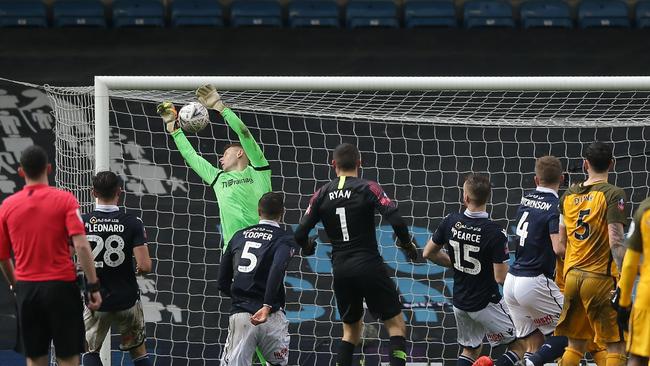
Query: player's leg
[470,335]
[67,322]
[97,325]
[517,293]
[499,330]
[638,343]
[240,343]
[349,302]
[34,321]
[571,323]
[273,339]
[383,302]
[130,324]
[596,292]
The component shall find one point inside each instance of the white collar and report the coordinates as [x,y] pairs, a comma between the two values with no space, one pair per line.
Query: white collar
[547,190]
[476,215]
[106,208]
[269,222]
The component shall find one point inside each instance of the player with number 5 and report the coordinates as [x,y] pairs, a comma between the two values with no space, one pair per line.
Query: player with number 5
[116,237]
[346,206]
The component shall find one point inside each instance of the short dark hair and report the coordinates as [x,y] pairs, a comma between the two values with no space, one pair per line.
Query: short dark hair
[548,169]
[34,161]
[106,184]
[599,155]
[478,187]
[271,205]
[234,144]
[346,156]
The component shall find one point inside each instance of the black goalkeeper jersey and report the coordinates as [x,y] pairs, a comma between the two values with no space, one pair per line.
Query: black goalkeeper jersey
[113,235]
[347,206]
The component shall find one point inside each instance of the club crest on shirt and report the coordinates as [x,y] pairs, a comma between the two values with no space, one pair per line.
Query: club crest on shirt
[621,204]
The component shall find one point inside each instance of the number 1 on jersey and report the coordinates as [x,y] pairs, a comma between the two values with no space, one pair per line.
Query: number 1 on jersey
[344,224]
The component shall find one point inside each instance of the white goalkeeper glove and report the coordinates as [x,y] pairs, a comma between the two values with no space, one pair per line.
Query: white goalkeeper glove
[208,96]
[167,111]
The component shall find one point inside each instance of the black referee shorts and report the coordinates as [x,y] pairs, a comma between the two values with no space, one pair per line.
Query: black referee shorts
[50,310]
[376,287]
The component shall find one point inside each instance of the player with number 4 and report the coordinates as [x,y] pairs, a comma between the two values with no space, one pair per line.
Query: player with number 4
[116,237]
[346,206]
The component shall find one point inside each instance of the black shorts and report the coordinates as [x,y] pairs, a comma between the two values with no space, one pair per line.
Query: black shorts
[50,310]
[375,287]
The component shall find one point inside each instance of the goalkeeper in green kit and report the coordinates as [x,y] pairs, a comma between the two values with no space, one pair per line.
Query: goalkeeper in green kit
[245,174]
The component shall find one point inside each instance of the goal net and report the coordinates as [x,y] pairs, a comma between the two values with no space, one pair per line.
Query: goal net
[417,144]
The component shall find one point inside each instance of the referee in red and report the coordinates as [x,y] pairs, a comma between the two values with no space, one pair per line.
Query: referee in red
[38,224]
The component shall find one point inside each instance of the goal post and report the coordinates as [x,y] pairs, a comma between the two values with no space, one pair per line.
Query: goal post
[418,137]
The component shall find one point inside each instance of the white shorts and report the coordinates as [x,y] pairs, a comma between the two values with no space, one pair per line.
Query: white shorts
[492,322]
[534,303]
[129,323]
[271,337]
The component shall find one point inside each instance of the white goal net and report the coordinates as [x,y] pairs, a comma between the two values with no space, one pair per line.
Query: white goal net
[417,144]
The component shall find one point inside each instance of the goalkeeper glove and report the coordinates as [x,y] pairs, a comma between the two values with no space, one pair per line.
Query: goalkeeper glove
[410,249]
[310,248]
[208,96]
[167,111]
[622,313]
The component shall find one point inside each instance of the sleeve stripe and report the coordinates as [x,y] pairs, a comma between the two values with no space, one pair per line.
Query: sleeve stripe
[215,179]
[262,168]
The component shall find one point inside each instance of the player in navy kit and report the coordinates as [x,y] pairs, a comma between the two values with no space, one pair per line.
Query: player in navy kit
[477,250]
[252,273]
[534,299]
[346,206]
[116,237]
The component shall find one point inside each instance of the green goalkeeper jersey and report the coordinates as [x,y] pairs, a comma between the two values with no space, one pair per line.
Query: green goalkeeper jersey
[238,192]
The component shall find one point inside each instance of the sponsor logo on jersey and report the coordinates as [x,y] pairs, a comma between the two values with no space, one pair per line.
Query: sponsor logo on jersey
[231,182]
[459,225]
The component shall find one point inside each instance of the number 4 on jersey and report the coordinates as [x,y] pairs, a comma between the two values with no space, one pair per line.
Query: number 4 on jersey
[522,229]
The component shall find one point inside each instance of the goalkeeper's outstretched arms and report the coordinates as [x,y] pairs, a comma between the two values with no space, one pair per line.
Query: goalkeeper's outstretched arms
[202,167]
[210,98]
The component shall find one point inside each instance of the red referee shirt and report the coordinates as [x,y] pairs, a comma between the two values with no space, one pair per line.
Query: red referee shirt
[37,224]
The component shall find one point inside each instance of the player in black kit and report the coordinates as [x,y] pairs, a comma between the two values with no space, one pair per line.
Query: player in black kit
[346,206]
[116,237]
[252,273]
[477,251]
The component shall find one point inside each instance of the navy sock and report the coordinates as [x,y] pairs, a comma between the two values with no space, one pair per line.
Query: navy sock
[91,359]
[552,349]
[142,361]
[507,359]
[397,351]
[464,361]
[344,356]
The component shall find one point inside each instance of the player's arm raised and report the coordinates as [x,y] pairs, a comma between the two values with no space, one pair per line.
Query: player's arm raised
[388,209]
[283,255]
[210,98]
[307,222]
[202,167]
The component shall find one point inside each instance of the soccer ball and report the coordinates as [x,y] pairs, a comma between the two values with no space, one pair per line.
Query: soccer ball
[193,117]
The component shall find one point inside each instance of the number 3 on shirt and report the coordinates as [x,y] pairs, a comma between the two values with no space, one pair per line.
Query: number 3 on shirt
[344,224]
[246,254]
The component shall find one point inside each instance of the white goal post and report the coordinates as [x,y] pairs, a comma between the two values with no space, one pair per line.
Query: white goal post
[418,137]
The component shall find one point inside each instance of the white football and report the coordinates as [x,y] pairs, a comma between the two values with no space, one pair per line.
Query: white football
[193,117]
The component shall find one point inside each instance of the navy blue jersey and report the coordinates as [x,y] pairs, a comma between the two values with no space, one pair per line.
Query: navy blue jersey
[474,244]
[253,266]
[346,206]
[538,217]
[113,235]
